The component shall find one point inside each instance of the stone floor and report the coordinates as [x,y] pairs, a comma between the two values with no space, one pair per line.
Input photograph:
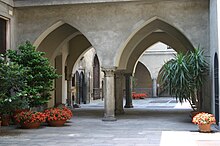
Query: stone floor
[152,122]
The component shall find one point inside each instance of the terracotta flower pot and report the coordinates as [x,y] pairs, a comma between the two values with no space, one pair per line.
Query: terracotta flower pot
[34,125]
[6,120]
[205,128]
[57,123]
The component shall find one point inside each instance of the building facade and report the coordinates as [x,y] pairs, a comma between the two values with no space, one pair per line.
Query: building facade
[119,31]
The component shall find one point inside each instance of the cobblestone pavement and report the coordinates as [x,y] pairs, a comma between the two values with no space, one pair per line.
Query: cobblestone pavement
[152,122]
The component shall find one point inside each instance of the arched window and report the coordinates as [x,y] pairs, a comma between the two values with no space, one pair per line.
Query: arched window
[216,76]
[77,87]
[96,78]
[82,88]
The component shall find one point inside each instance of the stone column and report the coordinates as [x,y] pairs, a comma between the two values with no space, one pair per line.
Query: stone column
[128,90]
[119,93]
[109,99]
[69,93]
[154,87]
[58,82]
[77,91]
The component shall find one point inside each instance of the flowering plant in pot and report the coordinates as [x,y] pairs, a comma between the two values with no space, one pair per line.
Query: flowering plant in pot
[204,121]
[57,116]
[30,119]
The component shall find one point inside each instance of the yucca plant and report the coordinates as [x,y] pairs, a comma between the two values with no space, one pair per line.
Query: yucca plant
[184,76]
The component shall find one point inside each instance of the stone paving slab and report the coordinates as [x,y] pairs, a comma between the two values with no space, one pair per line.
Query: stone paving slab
[208,143]
[137,127]
[186,138]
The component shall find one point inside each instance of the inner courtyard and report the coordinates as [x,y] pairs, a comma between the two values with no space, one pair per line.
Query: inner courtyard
[109,56]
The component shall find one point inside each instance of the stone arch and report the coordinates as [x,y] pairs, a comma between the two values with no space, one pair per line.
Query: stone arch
[142,79]
[55,37]
[47,32]
[96,78]
[152,31]
[78,47]
[64,40]
[216,87]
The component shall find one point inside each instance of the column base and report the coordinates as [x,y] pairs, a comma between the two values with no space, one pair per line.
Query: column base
[120,112]
[128,106]
[109,118]
[70,107]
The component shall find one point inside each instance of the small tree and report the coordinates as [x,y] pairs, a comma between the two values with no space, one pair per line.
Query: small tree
[40,74]
[12,85]
[184,76]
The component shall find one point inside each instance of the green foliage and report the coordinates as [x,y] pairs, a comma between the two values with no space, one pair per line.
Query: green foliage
[184,75]
[13,83]
[39,76]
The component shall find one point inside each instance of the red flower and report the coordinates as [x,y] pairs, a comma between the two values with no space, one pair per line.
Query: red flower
[30,117]
[138,95]
[59,113]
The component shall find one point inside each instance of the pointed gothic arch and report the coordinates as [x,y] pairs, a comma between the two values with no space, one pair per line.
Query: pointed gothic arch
[51,38]
[58,38]
[153,31]
[142,82]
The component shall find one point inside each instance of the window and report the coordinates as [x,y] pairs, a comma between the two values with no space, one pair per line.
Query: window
[3,23]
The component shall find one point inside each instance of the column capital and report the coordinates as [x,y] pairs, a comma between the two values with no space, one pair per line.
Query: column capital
[109,72]
[119,73]
[127,74]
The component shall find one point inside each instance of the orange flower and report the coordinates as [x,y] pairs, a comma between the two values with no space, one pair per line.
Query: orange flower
[204,118]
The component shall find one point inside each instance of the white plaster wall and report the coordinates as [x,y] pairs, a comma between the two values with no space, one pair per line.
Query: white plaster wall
[155,57]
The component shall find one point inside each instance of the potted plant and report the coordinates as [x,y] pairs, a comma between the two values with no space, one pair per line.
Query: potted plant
[58,116]
[204,121]
[12,79]
[30,119]
[5,112]
[39,76]
[184,76]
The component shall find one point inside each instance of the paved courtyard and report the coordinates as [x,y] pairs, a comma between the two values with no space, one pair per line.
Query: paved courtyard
[152,122]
